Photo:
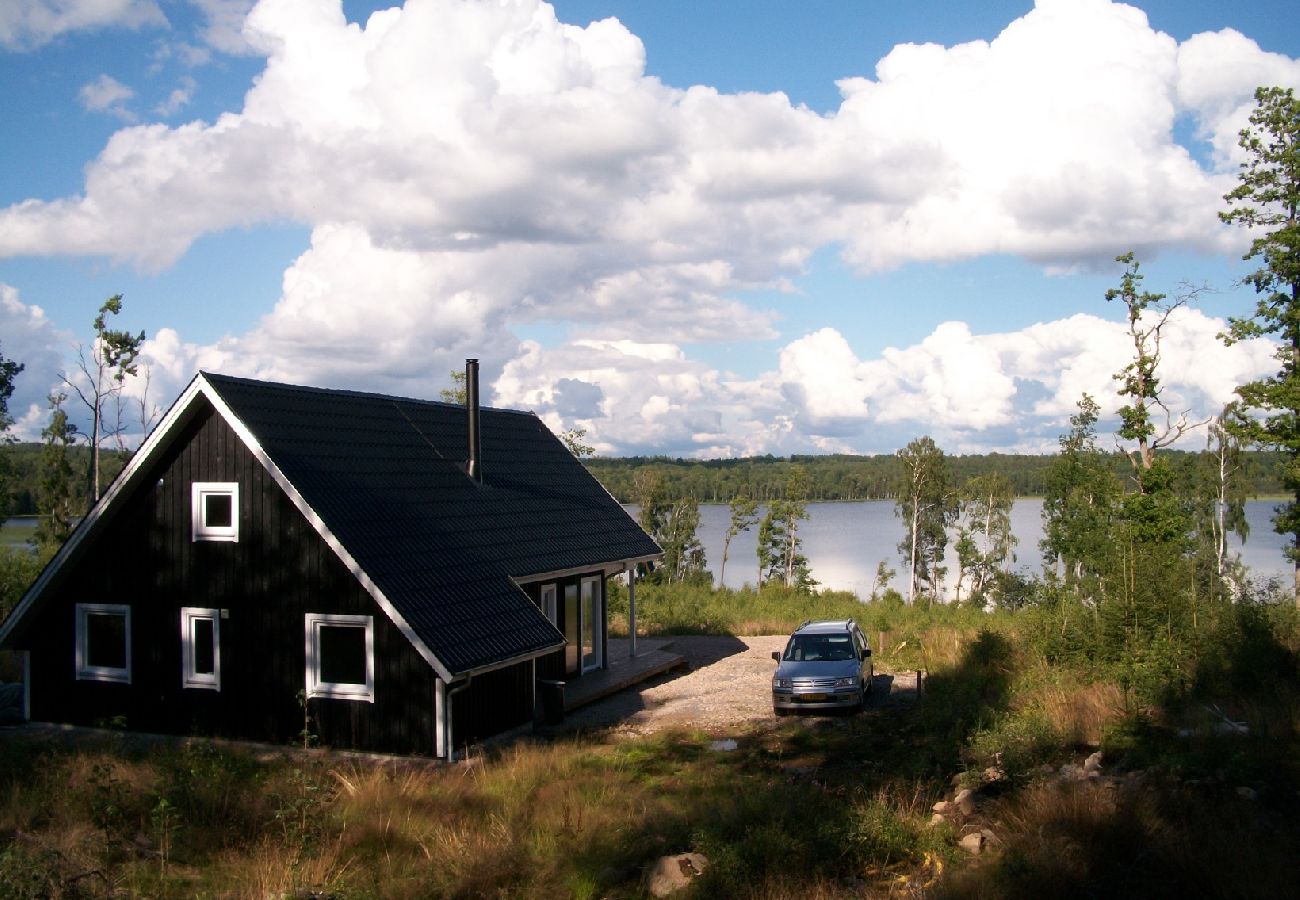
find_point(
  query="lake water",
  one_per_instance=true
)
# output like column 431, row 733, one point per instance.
column 845, row 541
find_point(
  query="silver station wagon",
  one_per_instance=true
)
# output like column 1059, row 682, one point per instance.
column 826, row 665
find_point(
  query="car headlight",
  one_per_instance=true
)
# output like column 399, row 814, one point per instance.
column 782, row 682
column 845, row 682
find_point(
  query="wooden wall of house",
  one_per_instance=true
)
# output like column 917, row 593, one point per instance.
column 494, row 702
column 278, row 571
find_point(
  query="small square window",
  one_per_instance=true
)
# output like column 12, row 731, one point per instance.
column 340, row 656
column 201, row 648
column 214, row 507
column 103, row 642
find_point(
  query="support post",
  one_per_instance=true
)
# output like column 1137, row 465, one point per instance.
column 631, row 607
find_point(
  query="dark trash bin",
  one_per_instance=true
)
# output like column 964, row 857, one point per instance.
column 552, row 701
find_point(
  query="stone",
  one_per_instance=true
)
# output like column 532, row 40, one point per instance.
column 1093, row 763
column 964, row 801
column 994, row 774
column 726, row 745
column 972, row 843
column 937, row 818
column 1246, row 793
column 943, row 807
column 670, row 874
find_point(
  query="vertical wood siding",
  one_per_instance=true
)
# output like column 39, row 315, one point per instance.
column 278, row 571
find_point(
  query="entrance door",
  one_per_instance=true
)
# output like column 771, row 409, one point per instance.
column 593, row 653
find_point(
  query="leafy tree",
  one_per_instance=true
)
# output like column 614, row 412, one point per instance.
column 744, row 513
column 1080, row 504
column 55, row 491
column 927, row 505
column 9, row 371
column 1267, row 202
column 1147, row 315
column 111, row 357
column 573, row 439
column 683, row 553
column 457, row 393
column 780, row 549
column 674, row 525
column 986, row 502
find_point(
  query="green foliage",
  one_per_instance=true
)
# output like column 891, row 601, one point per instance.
column 1267, row 201
column 744, row 513
column 674, row 525
column 55, row 494
column 927, row 505
column 779, row 547
column 9, row 371
column 18, row 569
column 457, row 393
column 112, row 356
column 1080, row 505
column 1147, row 315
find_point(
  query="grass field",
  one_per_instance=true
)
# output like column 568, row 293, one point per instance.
column 808, row 807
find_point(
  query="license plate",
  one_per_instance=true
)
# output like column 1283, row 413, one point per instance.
column 812, row 698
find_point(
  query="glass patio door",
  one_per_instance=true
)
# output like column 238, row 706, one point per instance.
column 593, row 654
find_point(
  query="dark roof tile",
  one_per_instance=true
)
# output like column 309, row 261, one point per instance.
column 386, row 477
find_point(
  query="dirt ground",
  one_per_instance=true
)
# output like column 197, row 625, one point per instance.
column 727, row 682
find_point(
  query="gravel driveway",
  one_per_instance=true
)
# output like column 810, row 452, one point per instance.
column 728, row 682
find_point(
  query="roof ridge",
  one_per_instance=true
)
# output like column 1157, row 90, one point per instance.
column 217, row 378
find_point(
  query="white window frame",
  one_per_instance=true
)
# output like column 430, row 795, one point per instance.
column 316, row 686
column 189, row 677
column 550, row 603
column 201, row 530
column 87, row 672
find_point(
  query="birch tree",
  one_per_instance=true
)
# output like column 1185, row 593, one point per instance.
column 103, row 366
column 744, row 513
column 1145, row 419
column 927, row 506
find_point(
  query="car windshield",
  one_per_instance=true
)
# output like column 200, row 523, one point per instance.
column 809, row 647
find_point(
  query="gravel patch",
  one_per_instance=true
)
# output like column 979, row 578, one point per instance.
column 728, row 683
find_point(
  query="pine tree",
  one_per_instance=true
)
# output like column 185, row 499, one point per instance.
column 1267, row 201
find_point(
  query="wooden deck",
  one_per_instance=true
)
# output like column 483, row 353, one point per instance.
column 654, row 656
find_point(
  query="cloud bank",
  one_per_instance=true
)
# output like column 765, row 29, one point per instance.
column 471, row 171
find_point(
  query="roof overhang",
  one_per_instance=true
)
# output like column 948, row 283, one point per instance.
column 613, row 567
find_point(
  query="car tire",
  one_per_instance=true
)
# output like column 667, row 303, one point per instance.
column 779, row 712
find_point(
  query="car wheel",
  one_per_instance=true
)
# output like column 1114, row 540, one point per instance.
column 779, row 712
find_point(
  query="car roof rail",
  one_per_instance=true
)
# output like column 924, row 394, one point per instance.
column 804, row 624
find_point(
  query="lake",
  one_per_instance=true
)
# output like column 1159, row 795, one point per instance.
column 845, row 541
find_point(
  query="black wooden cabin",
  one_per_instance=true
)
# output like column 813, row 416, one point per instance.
column 273, row 547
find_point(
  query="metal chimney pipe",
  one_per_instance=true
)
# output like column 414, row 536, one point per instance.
column 474, row 464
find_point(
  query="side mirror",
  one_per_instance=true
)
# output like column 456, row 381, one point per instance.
column 866, row 653
column 776, row 655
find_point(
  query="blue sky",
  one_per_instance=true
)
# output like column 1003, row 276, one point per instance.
column 699, row 229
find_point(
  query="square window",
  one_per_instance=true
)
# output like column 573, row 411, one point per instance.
column 340, row 656
column 214, row 508
column 201, row 648
column 103, row 642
